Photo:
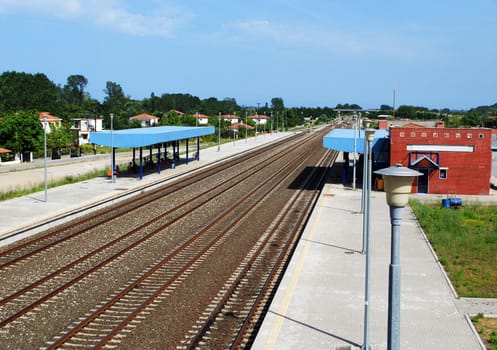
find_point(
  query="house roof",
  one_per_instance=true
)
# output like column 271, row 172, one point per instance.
column 239, row 125
column 201, row 116
column 144, row 116
column 4, row 150
column 258, row 116
column 230, row 116
column 50, row 118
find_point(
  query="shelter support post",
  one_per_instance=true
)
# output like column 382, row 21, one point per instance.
column 197, row 154
column 174, row 155
column 158, row 158
column 141, row 163
column 187, row 151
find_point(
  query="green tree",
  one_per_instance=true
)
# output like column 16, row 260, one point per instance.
column 74, row 90
column 471, row 119
column 24, row 91
column 277, row 103
column 171, row 118
column 21, row 132
column 59, row 137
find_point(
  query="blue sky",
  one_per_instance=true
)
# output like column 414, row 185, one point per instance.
column 435, row 53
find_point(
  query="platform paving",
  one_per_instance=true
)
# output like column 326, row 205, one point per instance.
column 320, row 302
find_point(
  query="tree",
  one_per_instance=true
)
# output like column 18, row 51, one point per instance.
column 74, row 90
column 277, row 103
column 171, row 118
column 59, row 137
column 24, row 91
column 471, row 119
column 21, row 132
column 115, row 102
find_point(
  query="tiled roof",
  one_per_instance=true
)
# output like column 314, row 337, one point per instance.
column 4, row 150
column 258, row 116
column 50, row 118
column 239, row 125
column 144, row 116
column 229, row 116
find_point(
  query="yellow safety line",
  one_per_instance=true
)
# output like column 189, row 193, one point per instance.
column 276, row 329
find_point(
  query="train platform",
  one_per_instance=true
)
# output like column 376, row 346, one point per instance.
column 29, row 214
column 320, row 301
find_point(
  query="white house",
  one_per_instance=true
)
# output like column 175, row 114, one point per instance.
column 202, row 119
column 50, row 120
column 145, row 120
column 259, row 119
column 232, row 118
column 86, row 125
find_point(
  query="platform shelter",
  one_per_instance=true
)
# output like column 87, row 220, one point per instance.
column 351, row 142
column 159, row 137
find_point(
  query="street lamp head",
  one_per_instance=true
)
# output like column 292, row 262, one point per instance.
column 370, row 135
column 366, row 122
column 398, row 181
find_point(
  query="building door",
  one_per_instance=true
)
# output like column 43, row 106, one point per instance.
column 423, row 181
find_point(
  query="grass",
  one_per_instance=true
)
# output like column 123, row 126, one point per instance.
column 40, row 187
column 487, row 328
column 465, row 240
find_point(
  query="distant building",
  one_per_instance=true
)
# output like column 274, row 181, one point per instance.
column 51, row 121
column 145, row 120
column 259, row 119
column 232, row 118
column 202, row 119
column 452, row 161
column 83, row 127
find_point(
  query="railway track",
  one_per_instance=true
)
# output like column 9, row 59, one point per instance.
column 160, row 252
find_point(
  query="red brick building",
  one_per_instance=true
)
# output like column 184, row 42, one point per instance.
column 453, row 161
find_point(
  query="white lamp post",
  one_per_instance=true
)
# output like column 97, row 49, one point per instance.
column 369, row 133
column 398, row 183
column 45, row 155
column 112, row 165
column 219, row 133
column 354, row 120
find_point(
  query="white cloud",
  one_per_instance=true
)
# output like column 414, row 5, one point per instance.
column 160, row 21
column 352, row 41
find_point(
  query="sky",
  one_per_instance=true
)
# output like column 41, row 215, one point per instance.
column 310, row 53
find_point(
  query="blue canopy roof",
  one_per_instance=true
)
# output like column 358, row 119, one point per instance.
column 343, row 139
column 141, row 137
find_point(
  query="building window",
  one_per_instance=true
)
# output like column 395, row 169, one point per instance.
column 435, row 135
column 469, row 136
column 443, row 173
column 458, row 135
column 402, row 134
column 423, row 134
column 413, row 134
column 480, row 136
column 446, row 135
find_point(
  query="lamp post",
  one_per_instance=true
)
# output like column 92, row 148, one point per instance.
column 112, row 165
column 45, row 155
column 369, row 133
column 246, row 126
column 366, row 123
column 398, row 182
column 354, row 120
column 219, row 133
